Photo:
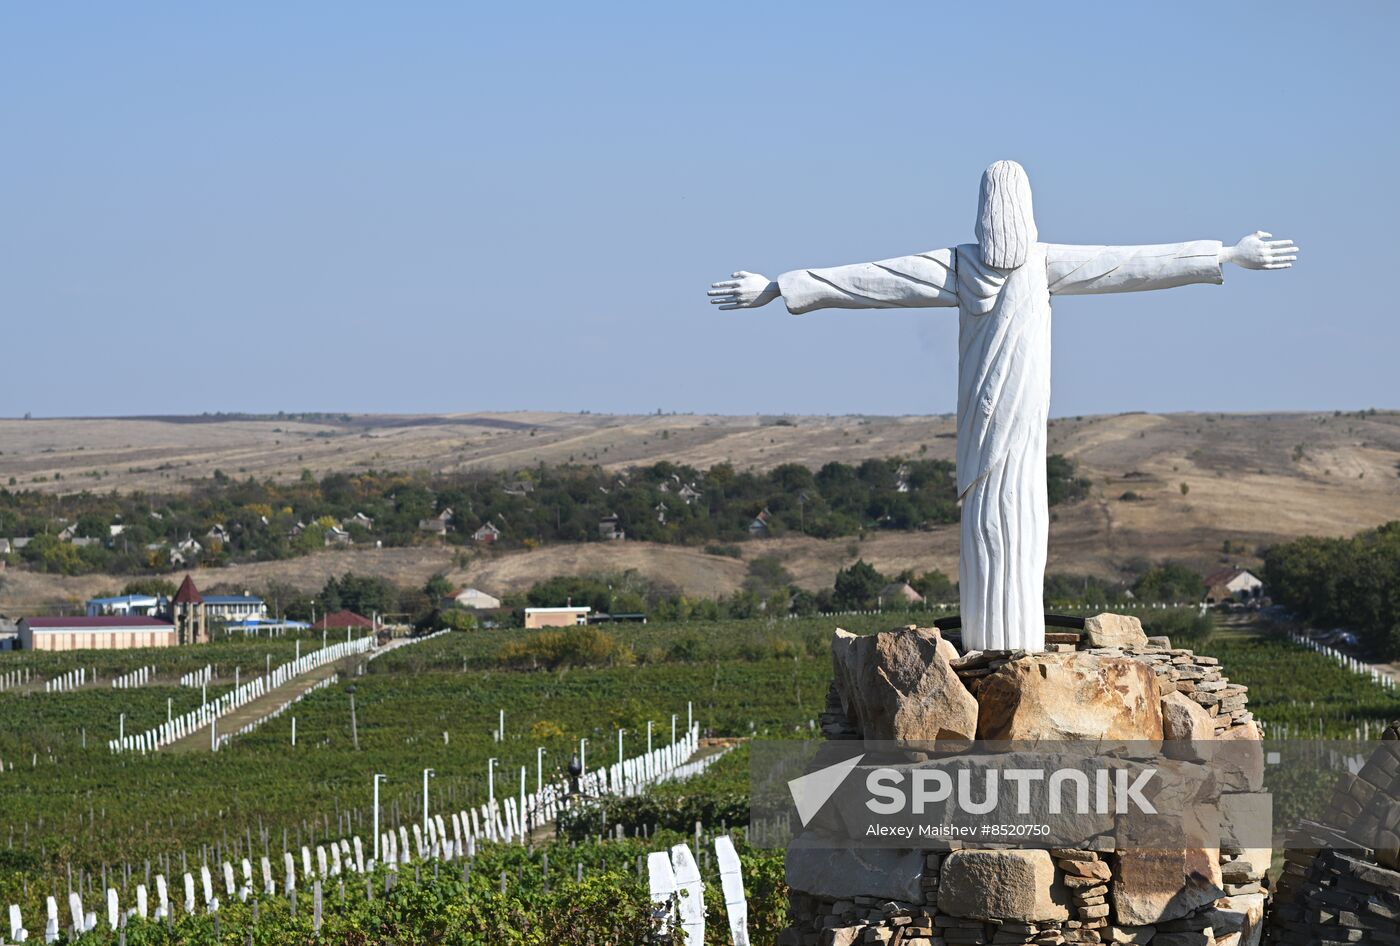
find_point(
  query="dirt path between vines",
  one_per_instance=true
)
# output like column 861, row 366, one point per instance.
column 255, row 709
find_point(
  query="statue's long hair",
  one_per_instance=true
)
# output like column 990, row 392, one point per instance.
column 1005, row 222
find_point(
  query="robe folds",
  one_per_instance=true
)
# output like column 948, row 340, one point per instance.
column 1003, row 394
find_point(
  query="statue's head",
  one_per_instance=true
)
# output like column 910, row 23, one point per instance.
column 1005, row 223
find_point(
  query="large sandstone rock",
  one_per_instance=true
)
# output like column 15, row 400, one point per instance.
column 1004, row 885
column 1238, row 758
column 1156, row 886
column 899, row 685
column 1246, row 825
column 1071, row 697
column 837, row 872
column 1114, row 630
column 1238, row 920
column 1186, row 727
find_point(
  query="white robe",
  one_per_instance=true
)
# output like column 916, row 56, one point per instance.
column 1003, row 394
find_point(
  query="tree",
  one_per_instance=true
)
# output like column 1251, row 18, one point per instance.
column 362, row 594
column 1169, row 582
column 934, row 586
column 437, row 587
column 155, row 587
column 858, row 587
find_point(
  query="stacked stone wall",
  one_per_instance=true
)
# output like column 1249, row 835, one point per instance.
column 989, row 894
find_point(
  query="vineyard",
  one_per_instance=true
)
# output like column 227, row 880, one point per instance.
column 78, row 817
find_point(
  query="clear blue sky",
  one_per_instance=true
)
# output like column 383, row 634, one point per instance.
column 455, row 207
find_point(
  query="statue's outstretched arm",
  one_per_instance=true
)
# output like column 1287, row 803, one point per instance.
column 743, row 290
column 1257, row 251
column 1087, row 270
column 921, row 280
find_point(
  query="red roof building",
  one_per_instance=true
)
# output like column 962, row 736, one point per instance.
column 188, row 593
column 107, row 632
column 340, row 620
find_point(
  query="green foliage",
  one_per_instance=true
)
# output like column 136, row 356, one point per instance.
column 1352, row 583
column 85, row 807
column 150, row 586
column 858, row 587
column 1080, row 590
column 1186, row 627
column 1169, row 583
column 546, row 504
column 364, row 594
column 1063, row 486
column 933, row 585
column 437, row 587
column 583, row 646
column 767, row 575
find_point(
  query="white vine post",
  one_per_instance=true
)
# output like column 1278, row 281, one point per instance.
column 663, row 893
column 427, row 773
column 692, row 904
column 732, row 882
column 377, row 779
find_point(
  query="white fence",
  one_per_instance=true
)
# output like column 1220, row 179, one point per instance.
column 1379, row 677
column 15, row 678
column 208, row 714
column 198, row 678
column 136, row 678
column 71, row 680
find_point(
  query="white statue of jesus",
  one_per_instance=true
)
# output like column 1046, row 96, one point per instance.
column 1002, row 286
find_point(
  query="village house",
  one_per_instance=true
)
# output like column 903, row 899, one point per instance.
column 107, row 632
column 343, row 620
column 569, row 616
column 361, row 520
column 688, row 493
column 234, row 607
column 438, row 524
column 185, row 551
column 899, row 593
column 217, row 533
column 335, row 535
column 610, row 529
column 471, row 598
column 487, row 533
column 1232, row 584
column 144, row 605
column 758, row 526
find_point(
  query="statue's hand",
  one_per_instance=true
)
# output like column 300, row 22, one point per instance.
column 1257, row 251
column 743, row 291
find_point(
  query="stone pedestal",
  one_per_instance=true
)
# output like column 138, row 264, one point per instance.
column 1111, row 684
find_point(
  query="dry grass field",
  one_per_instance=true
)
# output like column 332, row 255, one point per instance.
column 1193, row 482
